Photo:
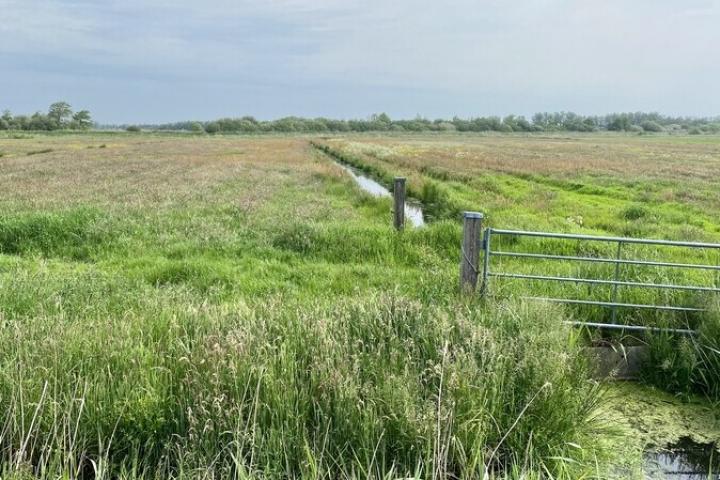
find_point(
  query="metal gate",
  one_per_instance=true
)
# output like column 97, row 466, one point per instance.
column 617, row 281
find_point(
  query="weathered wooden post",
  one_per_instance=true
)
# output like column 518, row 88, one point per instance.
column 470, row 251
column 399, row 194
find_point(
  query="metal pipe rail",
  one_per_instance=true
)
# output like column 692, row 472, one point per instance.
column 607, row 260
column 616, row 282
column 600, row 238
column 594, row 281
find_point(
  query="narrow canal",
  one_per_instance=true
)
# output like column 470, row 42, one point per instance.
column 413, row 211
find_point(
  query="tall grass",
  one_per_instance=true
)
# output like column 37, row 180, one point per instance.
column 74, row 233
column 202, row 312
column 687, row 364
column 277, row 389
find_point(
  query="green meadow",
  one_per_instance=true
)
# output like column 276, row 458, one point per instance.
column 193, row 306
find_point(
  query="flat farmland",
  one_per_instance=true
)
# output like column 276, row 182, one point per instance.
column 194, row 306
column 594, row 183
column 626, row 186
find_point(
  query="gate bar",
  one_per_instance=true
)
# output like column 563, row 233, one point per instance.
column 575, row 236
column 607, row 282
column 610, row 304
column 606, row 260
column 632, row 327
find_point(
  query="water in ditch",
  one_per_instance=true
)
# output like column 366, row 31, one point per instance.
column 413, row 212
column 685, row 460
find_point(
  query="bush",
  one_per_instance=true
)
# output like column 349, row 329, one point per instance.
column 212, row 127
column 133, row 129
column 634, row 212
column 651, row 126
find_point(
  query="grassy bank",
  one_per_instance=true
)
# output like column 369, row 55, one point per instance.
column 277, row 388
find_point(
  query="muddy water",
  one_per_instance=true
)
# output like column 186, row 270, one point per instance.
column 684, row 461
column 413, row 212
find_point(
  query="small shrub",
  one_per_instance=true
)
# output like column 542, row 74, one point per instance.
column 133, row 129
column 634, row 212
column 212, row 128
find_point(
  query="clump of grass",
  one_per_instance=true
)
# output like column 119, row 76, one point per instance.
column 634, row 212
column 707, row 377
column 202, row 274
column 436, row 200
column 279, row 389
column 687, row 364
column 38, row 152
column 73, row 233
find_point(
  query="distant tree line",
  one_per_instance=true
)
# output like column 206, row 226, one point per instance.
column 60, row 116
column 540, row 122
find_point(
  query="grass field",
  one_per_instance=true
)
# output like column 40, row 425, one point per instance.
column 653, row 187
column 212, row 307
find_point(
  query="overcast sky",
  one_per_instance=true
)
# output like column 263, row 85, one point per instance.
column 133, row 61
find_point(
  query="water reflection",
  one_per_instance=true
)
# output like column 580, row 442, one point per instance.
column 685, row 460
column 413, row 212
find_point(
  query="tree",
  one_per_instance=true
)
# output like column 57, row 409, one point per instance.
column 7, row 120
column 196, row 127
column 212, row 127
column 82, row 120
column 651, row 126
column 380, row 122
column 619, row 122
column 60, row 113
column 40, row 122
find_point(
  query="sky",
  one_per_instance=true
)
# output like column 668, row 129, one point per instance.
column 135, row 61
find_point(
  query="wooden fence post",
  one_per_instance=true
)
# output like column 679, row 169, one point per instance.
column 470, row 251
column 399, row 194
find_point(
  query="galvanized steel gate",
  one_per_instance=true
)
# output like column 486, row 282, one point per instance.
column 488, row 271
